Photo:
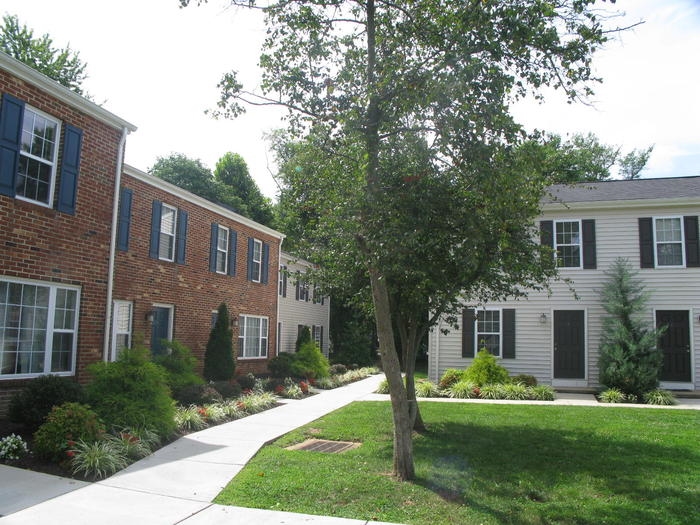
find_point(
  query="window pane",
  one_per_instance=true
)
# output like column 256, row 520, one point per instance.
column 669, row 254
column 668, row 230
column 62, row 352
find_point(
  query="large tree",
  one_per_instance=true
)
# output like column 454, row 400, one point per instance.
column 62, row 65
column 410, row 100
column 232, row 171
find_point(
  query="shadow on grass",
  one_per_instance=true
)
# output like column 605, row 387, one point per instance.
column 522, row 474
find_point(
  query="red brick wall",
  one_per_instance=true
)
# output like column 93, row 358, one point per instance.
column 46, row 245
column 193, row 290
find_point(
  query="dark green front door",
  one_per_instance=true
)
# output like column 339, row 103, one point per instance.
column 569, row 344
column 675, row 344
column 160, row 329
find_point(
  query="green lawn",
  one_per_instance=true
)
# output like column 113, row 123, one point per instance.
column 490, row 464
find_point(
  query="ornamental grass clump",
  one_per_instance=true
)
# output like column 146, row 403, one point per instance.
column 190, row 419
column 613, row 395
column 659, row 397
column 425, row 388
column 97, row 459
column 542, row 393
column 129, row 444
column 514, row 391
column 463, row 390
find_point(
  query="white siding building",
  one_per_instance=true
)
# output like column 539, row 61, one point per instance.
column 653, row 223
column 300, row 306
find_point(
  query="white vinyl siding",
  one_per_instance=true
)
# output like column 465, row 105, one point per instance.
column 38, row 328
column 36, row 175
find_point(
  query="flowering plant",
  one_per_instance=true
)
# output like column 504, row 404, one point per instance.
column 12, row 447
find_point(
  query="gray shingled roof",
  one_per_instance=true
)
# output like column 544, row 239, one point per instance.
column 624, row 190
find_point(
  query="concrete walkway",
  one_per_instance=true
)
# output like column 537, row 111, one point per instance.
column 176, row 484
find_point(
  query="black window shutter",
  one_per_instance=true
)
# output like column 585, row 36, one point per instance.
column 181, row 237
column 70, row 168
column 11, row 115
column 508, row 333
column 692, row 247
column 265, row 263
column 646, row 242
column 589, row 248
column 547, row 233
column 251, row 247
column 213, row 245
column 298, row 287
column 232, row 250
column 124, row 220
column 321, row 337
column 468, row 332
column 157, row 208
column 284, row 281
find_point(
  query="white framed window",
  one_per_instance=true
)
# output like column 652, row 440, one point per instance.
column 668, row 241
column 168, row 226
column 38, row 328
column 316, row 332
column 256, row 261
column 36, row 175
column 222, row 250
column 282, row 282
column 122, row 314
column 252, row 338
column 489, row 331
column 567, row 243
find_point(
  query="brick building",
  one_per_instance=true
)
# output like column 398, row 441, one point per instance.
column 95, row 255
column 59, row 156
column 179, row 257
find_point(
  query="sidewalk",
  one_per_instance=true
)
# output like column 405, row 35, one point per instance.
column 176, row 484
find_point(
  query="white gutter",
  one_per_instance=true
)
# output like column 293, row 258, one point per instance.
column 113, row 245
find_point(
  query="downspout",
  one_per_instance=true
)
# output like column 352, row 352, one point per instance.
column 278, row 339
column 113, row 245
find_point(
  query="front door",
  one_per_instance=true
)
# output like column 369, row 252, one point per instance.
column 675, row 344
column 569, row 344
column 160, row 329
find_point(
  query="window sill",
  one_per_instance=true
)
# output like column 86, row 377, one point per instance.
column 251, row 358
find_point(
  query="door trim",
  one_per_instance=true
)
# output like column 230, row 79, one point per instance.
column 681, row 385
column 564, row 382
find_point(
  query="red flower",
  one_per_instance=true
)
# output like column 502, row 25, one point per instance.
column 70, row 453
column 304, row 387
column 279, row 389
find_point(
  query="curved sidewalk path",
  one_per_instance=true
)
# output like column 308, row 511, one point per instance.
column 176, row 484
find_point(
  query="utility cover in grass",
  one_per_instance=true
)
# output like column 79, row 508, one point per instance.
column 322, row 445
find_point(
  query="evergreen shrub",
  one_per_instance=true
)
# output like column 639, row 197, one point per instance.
column 219, row 363
column 180, row 366
column 485, row 370
column 31, row 405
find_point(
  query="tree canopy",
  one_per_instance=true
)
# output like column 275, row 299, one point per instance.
column 62, row 65
column 404, row 156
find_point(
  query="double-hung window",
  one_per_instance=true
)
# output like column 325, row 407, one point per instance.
column 222, row 250
column 256, row 261
column 37, row 157
column 567, row 243
column 252, row 339
column 38, row 328
column 168, row 226
column 668, row 240
column 488, row 331
column 121, row 328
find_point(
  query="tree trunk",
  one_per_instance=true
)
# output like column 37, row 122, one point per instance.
column 411, row 347
column 401, row 407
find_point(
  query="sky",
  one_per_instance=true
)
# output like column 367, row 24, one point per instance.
column 157, row 66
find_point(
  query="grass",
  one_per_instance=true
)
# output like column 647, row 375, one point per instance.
column 489, row 464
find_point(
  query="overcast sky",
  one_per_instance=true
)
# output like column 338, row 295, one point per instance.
column 157, row 66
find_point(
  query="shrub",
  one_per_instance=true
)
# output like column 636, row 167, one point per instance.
column 97, row 459
column 426, row 388
column 659, row 397
column 31, row 405
column 303, row 338
column 190, row 419
column 542, row 393
column 132, row 392
column 281, row 365
column 463, row 390
column 338, row 369
column 12, row 447
column 613, row 395
column 310, row 362
column 219, row 364
column 485, row 370
column 450, row 377
column 247, row 381
column 180, row 366
column 227, row 389
column 524, row 379
column 629, row 358
column 64, row 426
